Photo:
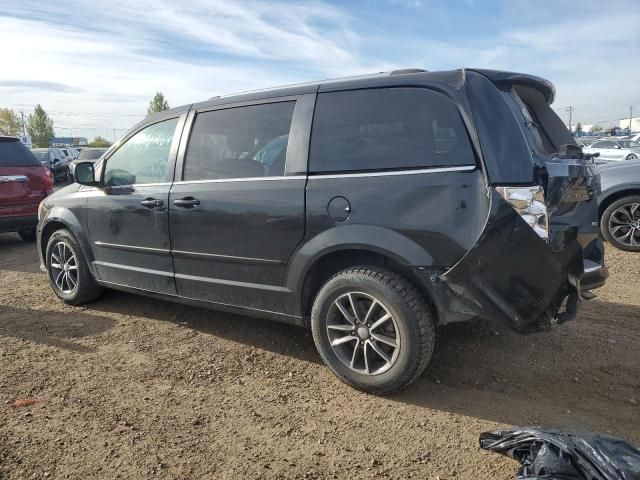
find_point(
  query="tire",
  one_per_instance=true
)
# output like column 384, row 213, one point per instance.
column 632, row 156
column 410, row 326
column 614, row 216
column 78, row 289
column 28, row 235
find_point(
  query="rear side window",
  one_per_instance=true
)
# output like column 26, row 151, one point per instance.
column 14, row 154
column 387, row 129
column 239, row 142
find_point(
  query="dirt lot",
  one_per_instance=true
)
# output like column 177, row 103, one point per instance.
column 136, row 388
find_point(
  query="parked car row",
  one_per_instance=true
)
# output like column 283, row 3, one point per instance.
column 613, row 149
column 56, row 160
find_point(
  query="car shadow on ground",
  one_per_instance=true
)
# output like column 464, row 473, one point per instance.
column 53, row 328
column 566, row 377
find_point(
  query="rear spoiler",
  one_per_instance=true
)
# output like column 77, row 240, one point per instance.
column 509, row 78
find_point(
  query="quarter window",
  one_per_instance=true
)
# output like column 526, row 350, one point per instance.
column 239, row 142
column 142, row 158
column 392, row 128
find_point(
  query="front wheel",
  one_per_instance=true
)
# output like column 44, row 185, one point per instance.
column 632, row 156
column 373, row 329
column 68, row 271
column 620, row 223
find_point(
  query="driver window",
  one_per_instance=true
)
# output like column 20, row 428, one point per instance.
column 143, row 158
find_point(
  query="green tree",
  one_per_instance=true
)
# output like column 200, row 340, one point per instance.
column 9, row 123
column 40, row 127
column 596, row 128
column 578, row 127
column 100, row 142
column 158, row 104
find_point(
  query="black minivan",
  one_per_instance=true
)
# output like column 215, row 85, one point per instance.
column 370, row 209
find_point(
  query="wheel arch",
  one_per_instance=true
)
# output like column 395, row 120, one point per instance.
column 342, row 247
column 612, row 196
column 57, row 219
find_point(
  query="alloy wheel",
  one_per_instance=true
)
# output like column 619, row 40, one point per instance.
column 64, row 268
column 624, row 224
column 363, row 334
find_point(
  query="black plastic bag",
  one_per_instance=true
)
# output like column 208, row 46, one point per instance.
column 558, row 455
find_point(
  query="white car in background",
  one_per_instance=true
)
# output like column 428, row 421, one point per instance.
column 614, row 149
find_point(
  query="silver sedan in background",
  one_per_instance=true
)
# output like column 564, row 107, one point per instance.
column 614, row 149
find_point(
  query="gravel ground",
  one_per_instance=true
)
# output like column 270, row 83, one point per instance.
column 130, row 387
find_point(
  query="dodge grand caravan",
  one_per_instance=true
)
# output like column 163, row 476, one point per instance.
column 369, row 209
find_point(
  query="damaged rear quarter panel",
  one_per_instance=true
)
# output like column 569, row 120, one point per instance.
column 510, row 274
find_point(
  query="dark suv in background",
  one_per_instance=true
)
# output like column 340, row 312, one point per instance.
column 55, row 160
column 369, row 209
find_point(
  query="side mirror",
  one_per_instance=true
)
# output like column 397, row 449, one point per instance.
column 55, row 160
column 84, row 174
column 618, row 147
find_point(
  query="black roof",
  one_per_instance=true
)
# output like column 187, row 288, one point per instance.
column 448, row 81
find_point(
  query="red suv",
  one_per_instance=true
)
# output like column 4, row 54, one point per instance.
column 24, row 183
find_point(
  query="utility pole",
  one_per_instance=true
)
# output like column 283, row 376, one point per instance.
column 24, row 133
column 630, row 116
column 570, row 109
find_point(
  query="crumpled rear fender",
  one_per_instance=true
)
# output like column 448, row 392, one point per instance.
column 510, row 274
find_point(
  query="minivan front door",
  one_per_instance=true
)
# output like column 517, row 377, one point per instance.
column 236, row 216
column 127, row 217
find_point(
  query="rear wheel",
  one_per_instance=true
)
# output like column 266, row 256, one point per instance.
column 28, row 235
column 373, row 329
column 620, row 223
column 68, row 271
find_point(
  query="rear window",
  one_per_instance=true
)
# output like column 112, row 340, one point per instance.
column 14, row 154
column 605, row 144
column 387, row 129
column 90, row 154
column 550, row 132
column 42, row 155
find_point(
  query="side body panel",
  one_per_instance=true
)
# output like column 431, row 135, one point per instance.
column 426, row 219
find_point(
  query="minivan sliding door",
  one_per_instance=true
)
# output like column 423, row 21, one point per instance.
column 236, row 215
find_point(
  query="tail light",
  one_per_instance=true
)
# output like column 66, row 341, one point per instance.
column 48, row 181
column 529, row 203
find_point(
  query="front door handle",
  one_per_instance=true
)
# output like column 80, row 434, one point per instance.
column 187, row 202
column 151, row 202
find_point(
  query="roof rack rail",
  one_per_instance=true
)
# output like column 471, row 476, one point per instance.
column 404, row 71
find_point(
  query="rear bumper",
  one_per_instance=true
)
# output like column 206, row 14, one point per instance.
column 16, row 223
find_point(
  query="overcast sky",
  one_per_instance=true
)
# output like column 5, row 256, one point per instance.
column 94, row 66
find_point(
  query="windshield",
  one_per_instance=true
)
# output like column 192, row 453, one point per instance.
column 629, row 144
